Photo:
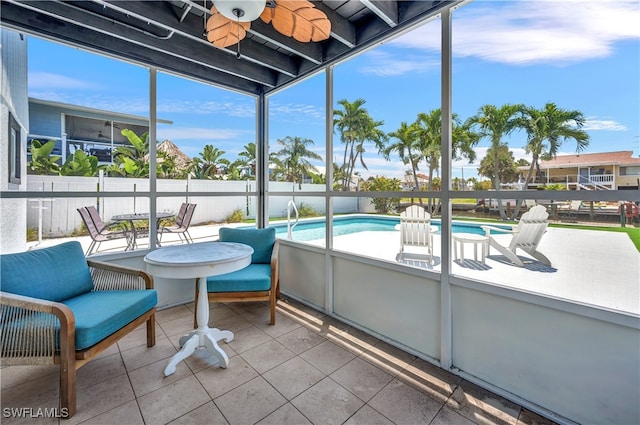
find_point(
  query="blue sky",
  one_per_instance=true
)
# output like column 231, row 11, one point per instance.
column 582, row 55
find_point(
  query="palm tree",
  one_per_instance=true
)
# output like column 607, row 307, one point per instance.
column 248, row 156
column 494, row 123
column 553, row 126
column 428, row 130
column 206, row 167
column 408, row 148
column 356, row 126
column 293, row 158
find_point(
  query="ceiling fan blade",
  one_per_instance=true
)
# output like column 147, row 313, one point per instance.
column 298, row 19
column 223, row 32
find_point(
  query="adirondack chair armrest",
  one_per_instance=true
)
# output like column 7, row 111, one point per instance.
column 488, row 229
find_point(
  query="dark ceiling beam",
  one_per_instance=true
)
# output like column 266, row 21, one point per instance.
column 19, row 18
column 385, row 10
column 308, row 51
column 341, row 29
column 192, row 26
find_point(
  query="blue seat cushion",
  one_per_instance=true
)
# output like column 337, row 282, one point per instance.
column 261, row 240
column 98, row 314
column 54, row 273
column 254, row 277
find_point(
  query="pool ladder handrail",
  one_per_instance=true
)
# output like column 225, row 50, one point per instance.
column 289, row 226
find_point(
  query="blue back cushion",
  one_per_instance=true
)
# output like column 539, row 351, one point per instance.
column 261, row 240
column 55, row 273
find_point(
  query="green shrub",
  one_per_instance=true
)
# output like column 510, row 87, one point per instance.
column 235, row 217
column 305, row 210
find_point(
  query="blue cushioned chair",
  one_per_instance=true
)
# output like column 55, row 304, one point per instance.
column 57, row 307
column 257, row 282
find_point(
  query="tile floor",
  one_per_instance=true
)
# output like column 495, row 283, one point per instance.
column 307, row 369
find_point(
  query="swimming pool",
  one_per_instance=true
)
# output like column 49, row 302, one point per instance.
column 314, row 228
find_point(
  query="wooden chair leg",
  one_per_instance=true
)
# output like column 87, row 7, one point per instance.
column 272, row 307
column 67, row 375
column 151, row 331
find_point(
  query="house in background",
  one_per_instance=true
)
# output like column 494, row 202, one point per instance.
column 589, row 171
column 96, row 132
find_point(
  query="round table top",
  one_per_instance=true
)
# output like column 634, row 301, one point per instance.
column 141, row 216
column 198, row 259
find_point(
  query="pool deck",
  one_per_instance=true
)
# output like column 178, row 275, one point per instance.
column 590, row 267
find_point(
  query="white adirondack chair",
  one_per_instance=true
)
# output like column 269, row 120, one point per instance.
column 526, row 236
column 416, row 230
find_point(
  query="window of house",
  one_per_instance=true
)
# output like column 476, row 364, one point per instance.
column 633, row 170
column 14, row 151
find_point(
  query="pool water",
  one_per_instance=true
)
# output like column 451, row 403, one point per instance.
column 314, row 229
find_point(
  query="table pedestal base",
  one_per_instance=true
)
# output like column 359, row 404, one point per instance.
column 207, row 338
column 204, row 336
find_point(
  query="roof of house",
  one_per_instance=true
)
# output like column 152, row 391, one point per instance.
column 592, row 159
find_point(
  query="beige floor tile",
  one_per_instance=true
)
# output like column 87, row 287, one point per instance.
column 151, row 377
column 327, row 357
column 327, row 403
column 388, row 358
column 367, row 415
column 102, row 397
column 293, row 377
column 137, row 357
column 172, row 401
column 447, row 416
column 248, row 338
column 250, row 402
column 178, row 326
column 286, row 415
column 301, row 339
column 99, row 370
column 17, row 375
column 202, row 358
column 207, row 414
column 482, row 406
column 41, row 392
column 128, row 413
column 527, row 417
column 284, row 325
column 218, row 381
column 173, row 313
column 352, row 340
column 430, row 379
column 361, row 378
column 219, row 312
column 403, row 404
column 267, row 356
column 235, row 323
column 137, row 338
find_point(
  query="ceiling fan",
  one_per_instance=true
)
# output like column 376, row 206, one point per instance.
column 231, row 19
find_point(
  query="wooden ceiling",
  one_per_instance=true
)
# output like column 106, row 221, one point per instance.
column 170, row 35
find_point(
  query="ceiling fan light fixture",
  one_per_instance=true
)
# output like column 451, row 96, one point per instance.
column 240, row 10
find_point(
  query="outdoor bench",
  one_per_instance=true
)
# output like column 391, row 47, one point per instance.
column 57, row 307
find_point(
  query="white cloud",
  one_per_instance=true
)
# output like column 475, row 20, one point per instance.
column 50, row 82
column 383, row 64
column 203, row 135
column 243, row 110
column 594, row 124
column 297, row 111
column 546, row 31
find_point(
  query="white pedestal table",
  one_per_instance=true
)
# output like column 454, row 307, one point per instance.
column 199, row 260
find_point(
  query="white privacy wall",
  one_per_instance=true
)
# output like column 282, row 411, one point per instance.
column 574, row 363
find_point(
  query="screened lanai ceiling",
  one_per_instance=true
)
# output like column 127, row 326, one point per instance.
column 170, row 35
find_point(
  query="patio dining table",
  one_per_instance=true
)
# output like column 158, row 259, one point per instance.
column 131, row 218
